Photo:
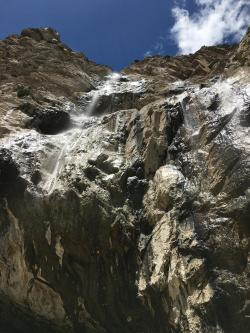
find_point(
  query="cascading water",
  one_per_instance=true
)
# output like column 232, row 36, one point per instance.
column 104, row 89
column 72, row 137
column 82, row 123
column 44, row 160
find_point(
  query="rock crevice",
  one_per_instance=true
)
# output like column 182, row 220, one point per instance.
column 124, row 198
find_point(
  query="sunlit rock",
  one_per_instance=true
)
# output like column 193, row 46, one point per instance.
column 124, row 197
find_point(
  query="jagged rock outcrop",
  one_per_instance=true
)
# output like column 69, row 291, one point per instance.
column 38, row 71
column 124, row 199
column 241, row 56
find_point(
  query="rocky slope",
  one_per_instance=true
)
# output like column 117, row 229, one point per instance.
column 124, row 198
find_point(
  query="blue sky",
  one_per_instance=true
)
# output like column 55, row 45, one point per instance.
column 113, row 32
column 116, row 32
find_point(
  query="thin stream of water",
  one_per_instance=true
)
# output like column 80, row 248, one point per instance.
column 72, row 137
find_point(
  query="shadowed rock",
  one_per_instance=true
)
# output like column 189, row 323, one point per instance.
column 134, row 217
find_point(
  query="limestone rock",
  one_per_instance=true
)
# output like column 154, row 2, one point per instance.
column 124, row 198
column 165, row 190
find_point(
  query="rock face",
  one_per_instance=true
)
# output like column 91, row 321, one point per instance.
column 124, row 198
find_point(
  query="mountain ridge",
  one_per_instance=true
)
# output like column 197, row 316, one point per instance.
column 124, row 197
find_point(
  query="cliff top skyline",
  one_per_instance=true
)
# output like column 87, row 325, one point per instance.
column 115, row 32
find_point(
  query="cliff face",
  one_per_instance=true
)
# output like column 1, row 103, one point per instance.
column 125, row 198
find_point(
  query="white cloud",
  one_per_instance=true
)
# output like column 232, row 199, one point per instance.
column 158, row 48
column 215, row 22
column 147, row 54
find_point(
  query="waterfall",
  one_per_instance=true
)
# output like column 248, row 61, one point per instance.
column 105, row 89
column 69, row 140
column 190, row 124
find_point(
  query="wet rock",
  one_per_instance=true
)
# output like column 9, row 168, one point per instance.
column 36, row 177
column 103, row 163
column 214, row 104
column 48, row 121
column 9, row 174
column 245, row 116
column 176, row 90
column 118, row 92
column 136, row 189
column 132, row 220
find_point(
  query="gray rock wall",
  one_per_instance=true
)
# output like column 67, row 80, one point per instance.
column 133, row 217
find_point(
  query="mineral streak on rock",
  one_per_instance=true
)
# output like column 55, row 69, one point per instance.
column 124, row 198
